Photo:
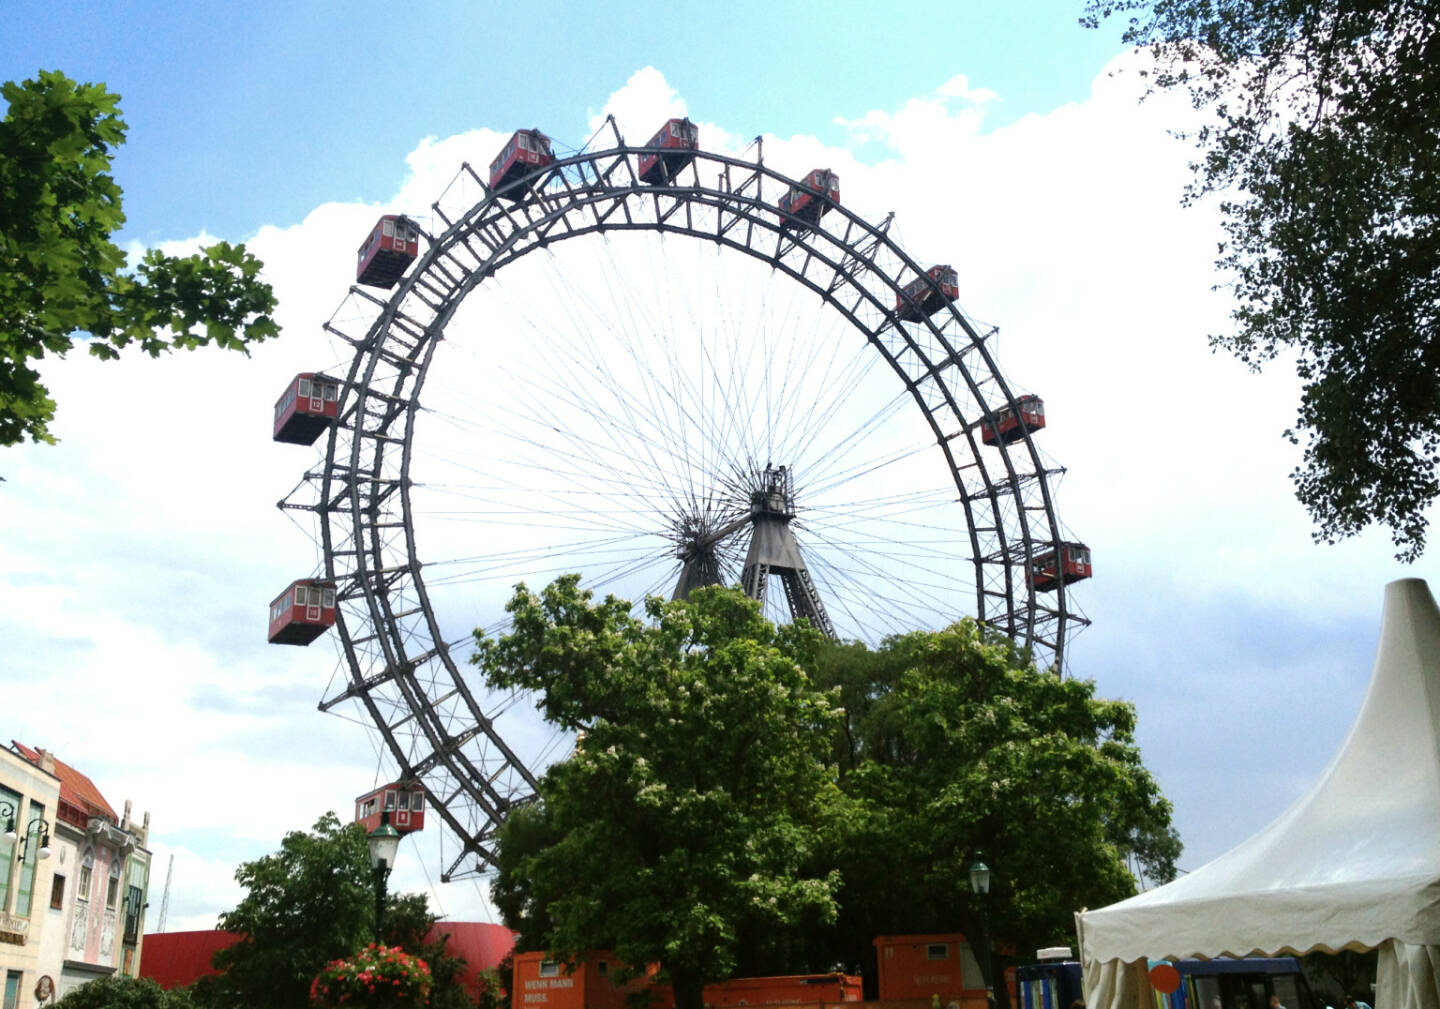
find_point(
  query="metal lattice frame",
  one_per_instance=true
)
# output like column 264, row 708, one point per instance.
column 401, row 670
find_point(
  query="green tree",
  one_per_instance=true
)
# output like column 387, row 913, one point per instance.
column 122, row 992
column 687, row 815
column 956, row 749
column 305, row 905
column 312, row 902
column 495, row 984
column 1324, row 131
column 409, row 923
column 63, row 279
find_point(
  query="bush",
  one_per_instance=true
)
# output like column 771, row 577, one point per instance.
column 122, row 992
column 377, row 976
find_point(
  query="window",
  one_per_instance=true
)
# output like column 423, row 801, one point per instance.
column 304, row 388
column 417, row 802
column 57, row 891
column 937, row 951
column 329, row 599
column 405, row 801
column 7, row 851
column 112, row 890
column 30, row 849
column 134, row 907
column 602, row 968
column 389, row 229
column 390, row 801
column 87, row 864
column 549, row 968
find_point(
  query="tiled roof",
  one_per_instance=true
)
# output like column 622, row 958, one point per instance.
column 75, row 788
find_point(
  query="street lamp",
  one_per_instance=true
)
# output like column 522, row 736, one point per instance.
column 980, row 886
column 7, row 811
column 384, row 842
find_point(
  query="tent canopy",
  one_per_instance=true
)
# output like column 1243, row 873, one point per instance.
column 1354, row 863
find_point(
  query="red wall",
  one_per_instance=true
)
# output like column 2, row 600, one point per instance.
column 591, row 985
column 907, row 970
column 175, row 959
column 799, row 989
column 588, row 985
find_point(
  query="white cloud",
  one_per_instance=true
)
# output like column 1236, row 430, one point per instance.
column 641, row 106
column 915, row 127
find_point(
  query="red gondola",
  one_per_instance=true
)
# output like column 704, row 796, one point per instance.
column 403, row 800
column 918, row 299
column 388, row 251
column 811, row 198
column 302, row 612
column 678, row 141
column 1010, row 425
column 1074, row 565
column 526, row 151
column 306, row 409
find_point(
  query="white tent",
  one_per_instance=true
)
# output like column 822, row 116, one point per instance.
column 1354, row 864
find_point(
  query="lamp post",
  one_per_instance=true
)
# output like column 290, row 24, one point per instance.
column 384, row 842
column 980, row 886
column 7, row 812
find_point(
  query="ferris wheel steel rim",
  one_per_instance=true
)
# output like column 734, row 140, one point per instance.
column 386, row 622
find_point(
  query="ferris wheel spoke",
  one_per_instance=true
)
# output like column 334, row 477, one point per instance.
column 530, row 565
column 854, row 564
column 637, row 403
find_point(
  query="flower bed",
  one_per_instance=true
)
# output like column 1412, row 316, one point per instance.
column 378, row 976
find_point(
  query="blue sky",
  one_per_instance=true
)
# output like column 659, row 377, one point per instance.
column 152, row 546
column 226, row 100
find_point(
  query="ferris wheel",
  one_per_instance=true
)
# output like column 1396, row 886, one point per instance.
column 662, row 368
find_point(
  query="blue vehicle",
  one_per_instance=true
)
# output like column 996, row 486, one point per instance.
column 1222, row 983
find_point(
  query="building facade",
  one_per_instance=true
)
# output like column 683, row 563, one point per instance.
column 28, row 798
column 78, row 875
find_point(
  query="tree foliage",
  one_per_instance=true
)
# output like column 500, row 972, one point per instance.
column 307, row 904
column 956, row 749
column 311, row 903
column 688, row 814
column 1325, row 134
column 62, row 278
column 722, row 814
column 409, row 923
column 120, row 991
